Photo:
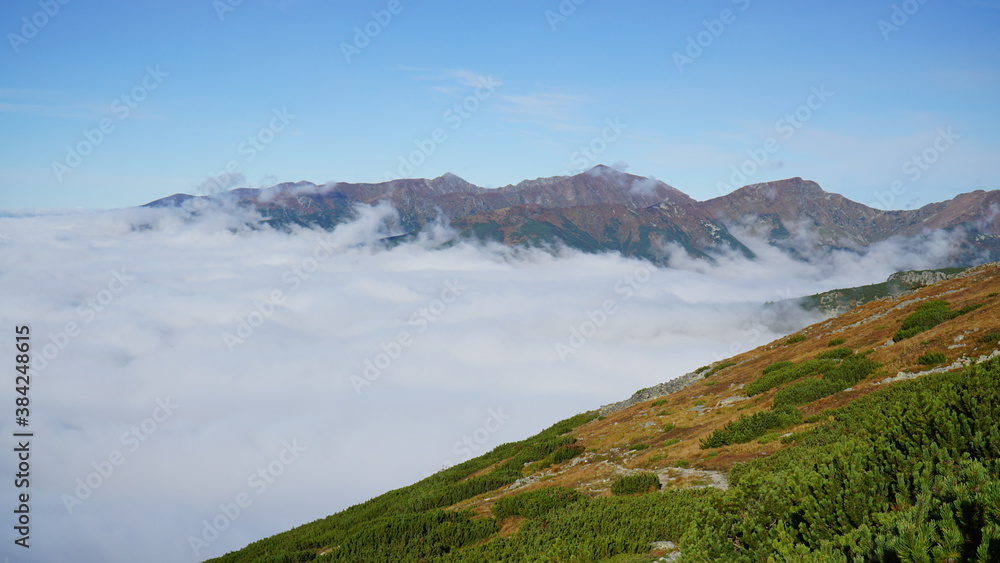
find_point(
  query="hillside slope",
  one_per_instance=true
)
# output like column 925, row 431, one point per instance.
column 868, row 436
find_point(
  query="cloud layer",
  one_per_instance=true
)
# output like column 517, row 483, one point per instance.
column 200, row 384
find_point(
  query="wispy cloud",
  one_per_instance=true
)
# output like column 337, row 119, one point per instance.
column 557, row 111
column 451, row 82
column 43, row 103
column 47, row 103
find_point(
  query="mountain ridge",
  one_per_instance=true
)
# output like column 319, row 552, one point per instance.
column 604, row 209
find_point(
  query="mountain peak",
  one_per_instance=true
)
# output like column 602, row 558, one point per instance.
column 448, row 183
column 603, row 169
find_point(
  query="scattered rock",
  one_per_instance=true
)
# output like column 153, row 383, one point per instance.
column 730, row 400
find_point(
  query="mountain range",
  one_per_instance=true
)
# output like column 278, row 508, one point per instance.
column 604, row 209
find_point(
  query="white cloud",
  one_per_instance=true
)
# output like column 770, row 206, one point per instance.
column 493, row 345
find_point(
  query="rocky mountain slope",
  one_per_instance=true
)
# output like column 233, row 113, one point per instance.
column 607, row 210
column 869, row 436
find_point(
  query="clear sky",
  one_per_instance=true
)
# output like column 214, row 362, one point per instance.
column 288, row 90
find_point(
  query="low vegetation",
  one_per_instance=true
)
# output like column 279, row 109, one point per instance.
column 927, row 316
column 907, row 473
column 932, row 358
column 748, row 428
column 834, row 380
column 535, row 504
column 835, row 354
column 638, row 483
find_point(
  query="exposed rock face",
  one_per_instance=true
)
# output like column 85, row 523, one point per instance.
column 919, row 278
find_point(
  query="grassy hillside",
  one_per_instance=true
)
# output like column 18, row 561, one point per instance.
column 869, row 437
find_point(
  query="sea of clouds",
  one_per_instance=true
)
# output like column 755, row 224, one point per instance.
column 202, row 380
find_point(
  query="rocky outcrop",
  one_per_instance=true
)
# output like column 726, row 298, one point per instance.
column 917, row 278
column 659, row 390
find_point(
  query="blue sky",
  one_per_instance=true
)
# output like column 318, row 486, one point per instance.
column 265, row 88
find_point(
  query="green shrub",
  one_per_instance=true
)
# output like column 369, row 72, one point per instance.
column 776, row 366
column 767, row 438
column 994, row 294
column 990, row 338
column 535, row 504
column 638, row 447
column 566, row 453
column 932, row 358
column 638, row 483
column 792, row 438
column 750, row 427
column 907, row 473
column 834, row 354
column 795, row 338
column 815, row 418
column 785, row 373
column 845, row 374
column 659, row 402
column 670, row 442
column 928, row 316
column 805, row 392
column 668, row 427
column 968, row 309
column 835, row 342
